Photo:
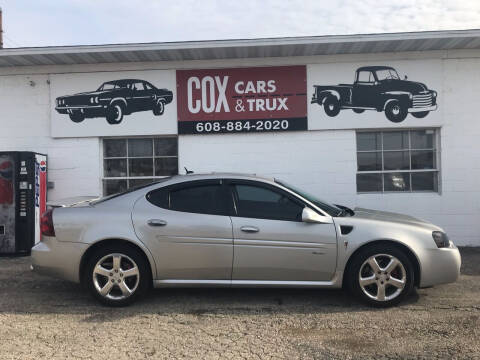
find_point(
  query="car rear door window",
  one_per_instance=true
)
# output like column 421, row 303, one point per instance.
column 203, row 199
column 198, row 198
column 264, row 203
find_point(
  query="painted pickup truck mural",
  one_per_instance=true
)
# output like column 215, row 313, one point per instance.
column 378, row 88
column 113, row 100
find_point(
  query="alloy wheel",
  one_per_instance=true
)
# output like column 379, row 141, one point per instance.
column 116, row 276
column 382, row 277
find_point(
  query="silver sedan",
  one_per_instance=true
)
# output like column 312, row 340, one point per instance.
column 239, row 230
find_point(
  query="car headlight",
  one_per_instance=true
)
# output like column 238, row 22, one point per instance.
column 96, row 99
column 410, row 96
column 441, row 239
column 92, row 100
column 434, row 93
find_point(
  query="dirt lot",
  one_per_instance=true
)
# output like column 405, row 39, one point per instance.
column 47, row 318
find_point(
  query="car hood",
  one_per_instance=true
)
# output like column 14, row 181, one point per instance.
column 406, row 85
column 87, row 93
column 369, row 214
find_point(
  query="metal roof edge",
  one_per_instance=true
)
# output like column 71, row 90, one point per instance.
column 228, row 43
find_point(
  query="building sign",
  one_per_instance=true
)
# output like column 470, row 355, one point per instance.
column 260, row 99
column 375, row 94
column 113, row 103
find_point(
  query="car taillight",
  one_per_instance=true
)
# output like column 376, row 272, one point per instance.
column 46, row 223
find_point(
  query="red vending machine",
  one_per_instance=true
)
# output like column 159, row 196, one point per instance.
column 23, row 198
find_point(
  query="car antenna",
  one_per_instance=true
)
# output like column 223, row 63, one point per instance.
column 188, row 171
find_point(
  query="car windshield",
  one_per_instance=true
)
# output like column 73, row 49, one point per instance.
column 111, row 86
column 330, row 209
column 108, row 86
column 387, row 74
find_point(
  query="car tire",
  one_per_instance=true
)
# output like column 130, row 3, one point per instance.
column 395, row 111
column 384, row 286
column 331, row 105
column 115, row 113
column 421, row 114
column 77, row 116
column 117, row 275
column 358, row 111
column 159, row 107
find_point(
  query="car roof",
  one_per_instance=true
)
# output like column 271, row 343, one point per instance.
column 124, row 81
column 219, row 175
column 374, row 68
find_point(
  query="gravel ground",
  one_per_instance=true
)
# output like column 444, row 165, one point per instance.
column 47, row 318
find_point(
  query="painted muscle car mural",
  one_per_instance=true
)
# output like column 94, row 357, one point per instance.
column 114, row 99
column 378, row 88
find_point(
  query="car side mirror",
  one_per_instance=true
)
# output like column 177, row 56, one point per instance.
column 406, row 77
column 311, row 216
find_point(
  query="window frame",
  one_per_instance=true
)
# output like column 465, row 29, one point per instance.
column 436, row 149
column 127, row 157
column 230, row 183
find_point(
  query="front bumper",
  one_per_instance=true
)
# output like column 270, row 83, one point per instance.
column 78, row 107
column 440, row 266
column 422, row 109
column 59, row 259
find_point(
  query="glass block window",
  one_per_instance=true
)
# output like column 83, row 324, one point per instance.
column 132, row 162
column 397, row 161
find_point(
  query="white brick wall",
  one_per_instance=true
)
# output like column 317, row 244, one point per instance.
column 73, row 164
column 324, row 162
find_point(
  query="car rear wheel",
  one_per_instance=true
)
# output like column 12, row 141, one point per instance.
column 115, row 114
column 77, row 116
column 381, row 276
column 395, row 111
column 331, row 105
column 159, row 107
column 117, row 275
column 420, row 114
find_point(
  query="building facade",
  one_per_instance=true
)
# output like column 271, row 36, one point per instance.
column 378, row 121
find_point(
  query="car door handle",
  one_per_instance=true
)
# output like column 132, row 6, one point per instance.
column 156, row 222
column 249, row 229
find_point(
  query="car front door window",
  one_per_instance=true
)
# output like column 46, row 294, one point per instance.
column 259, row 202
column 365, row 77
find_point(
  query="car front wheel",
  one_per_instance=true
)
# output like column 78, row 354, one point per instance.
column 77, row 116
column 395, row 111
column 117, row 276
column 381, row 276
column 114, row 114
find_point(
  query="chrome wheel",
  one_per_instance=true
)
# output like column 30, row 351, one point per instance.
column 382, row 277
column 396, row 110
column 116, row 276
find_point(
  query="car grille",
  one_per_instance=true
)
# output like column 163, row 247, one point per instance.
column 424, row 100
column 77, row 100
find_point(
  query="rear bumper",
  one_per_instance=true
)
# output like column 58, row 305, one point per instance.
column 58, row 258
column 440, row 266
